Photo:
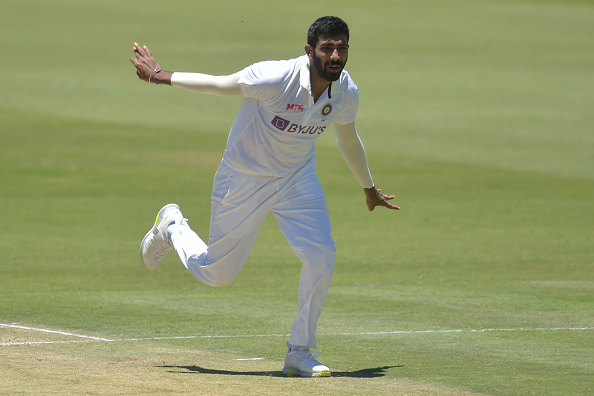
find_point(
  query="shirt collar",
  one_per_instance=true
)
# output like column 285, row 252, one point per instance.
column 304, row 74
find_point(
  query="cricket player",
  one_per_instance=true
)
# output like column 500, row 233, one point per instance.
column 269, row 166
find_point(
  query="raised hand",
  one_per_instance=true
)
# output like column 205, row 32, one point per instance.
column 146, row 65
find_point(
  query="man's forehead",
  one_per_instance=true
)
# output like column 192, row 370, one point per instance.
column 341, row 39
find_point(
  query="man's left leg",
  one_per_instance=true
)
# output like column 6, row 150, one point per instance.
column 303, row 218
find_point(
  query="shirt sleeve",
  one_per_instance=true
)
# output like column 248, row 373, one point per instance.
column 263, row 80
column 350, row 103
column 205, row 83
column 352, row 150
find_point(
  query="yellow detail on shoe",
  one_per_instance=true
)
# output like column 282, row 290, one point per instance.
column 157, row 219
column 291, row 373
column 324, row 373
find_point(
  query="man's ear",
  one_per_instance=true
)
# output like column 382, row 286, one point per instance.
column 308, row 50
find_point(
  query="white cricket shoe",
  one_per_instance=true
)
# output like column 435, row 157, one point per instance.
column 300, row 361
column 156, row 243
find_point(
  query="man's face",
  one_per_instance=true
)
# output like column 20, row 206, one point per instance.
column 330, row 56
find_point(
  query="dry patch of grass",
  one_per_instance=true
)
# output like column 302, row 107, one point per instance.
column 152, row 367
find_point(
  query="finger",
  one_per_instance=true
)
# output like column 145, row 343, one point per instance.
column 383, row 201
column 136, row 64
column 390, row 206
column 379, row 190
column 139, row 52
column 148, row 51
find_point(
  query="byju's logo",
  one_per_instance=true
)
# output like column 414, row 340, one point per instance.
column 283, row 125
column 280, row 123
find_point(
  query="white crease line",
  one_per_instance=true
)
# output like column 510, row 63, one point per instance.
column 468, row 331
column 397, row 332
column 43, row 342
column 15, row 326
column 203, row 336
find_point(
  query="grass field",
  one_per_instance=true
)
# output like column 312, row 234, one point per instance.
column 476, row 114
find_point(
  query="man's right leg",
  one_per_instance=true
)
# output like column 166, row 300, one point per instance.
column 216, row 264
column 240, row 204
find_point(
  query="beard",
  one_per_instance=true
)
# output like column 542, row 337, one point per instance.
column 324, row 72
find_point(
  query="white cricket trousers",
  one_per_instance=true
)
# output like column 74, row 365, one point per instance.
column 240, row 203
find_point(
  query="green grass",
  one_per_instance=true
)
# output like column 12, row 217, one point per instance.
column 476, row 114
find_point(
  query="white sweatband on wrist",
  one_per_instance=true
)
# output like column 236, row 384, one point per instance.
column 352, row 150
column 208, row 84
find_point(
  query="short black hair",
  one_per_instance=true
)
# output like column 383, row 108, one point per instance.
column 328, row 26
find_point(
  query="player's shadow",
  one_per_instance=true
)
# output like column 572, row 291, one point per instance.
column 364, row 373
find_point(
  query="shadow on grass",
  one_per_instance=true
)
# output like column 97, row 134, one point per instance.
column 365, row 373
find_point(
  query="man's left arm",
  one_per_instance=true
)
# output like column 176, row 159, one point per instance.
column 352, row 150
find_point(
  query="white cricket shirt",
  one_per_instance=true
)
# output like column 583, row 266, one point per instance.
column 278, row 122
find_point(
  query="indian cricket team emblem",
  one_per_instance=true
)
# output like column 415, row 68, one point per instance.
column 326, row 110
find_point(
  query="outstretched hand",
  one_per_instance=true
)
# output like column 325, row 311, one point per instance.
column 144, row 62
column 374, row 197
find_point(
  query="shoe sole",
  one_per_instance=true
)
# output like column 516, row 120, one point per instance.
column 297, row 373
column 142, row 244
column 152, row 230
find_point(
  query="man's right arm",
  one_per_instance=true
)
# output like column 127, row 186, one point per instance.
column 208, row 84
column 149, row 70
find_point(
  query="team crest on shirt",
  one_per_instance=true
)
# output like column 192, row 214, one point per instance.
column 326, row 110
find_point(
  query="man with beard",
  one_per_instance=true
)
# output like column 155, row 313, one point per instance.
column 269, row 166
